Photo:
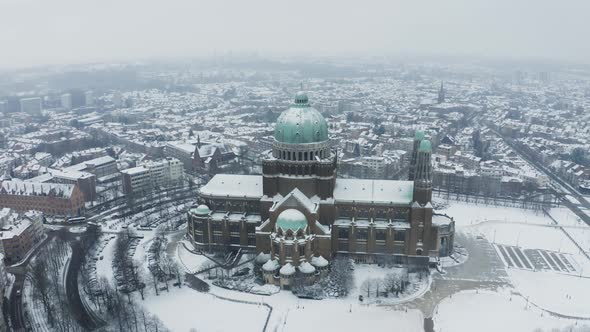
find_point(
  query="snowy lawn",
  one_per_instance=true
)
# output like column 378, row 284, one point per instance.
column 293, row 314
column 491, row 312
column 556, row 292
column 466, row 214
column 575, row 227
column 338, row 315
column 524, row 236
column 185, row 309
column 189, row 261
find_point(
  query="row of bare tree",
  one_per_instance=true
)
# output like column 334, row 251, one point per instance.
column 45, row 275
column 121, row 312
column 393, row 283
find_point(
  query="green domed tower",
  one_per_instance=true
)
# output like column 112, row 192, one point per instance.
column 302, row 155
column 301, row 123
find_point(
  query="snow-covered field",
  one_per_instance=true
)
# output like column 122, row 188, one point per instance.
column 337, row 315
column 189, row 261
column 559, row 293
column 466, row 214
column 185, row 309
column 484, row 311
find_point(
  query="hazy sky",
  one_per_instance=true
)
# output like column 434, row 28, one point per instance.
column 73, row 31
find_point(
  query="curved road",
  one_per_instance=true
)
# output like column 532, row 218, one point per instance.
column 15, row 304
column 86, row 319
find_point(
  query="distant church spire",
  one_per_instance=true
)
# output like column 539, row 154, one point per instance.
column 441, row 93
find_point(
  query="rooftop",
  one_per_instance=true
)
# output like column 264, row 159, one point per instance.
column 232, row 185
column 374, row 191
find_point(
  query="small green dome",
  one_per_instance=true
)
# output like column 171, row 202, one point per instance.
column 202, row 210
column 291, row 219
column 419, row 135
column 425, row 146
column 301, row 123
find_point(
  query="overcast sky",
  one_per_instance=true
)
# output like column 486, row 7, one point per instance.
column 36, row 32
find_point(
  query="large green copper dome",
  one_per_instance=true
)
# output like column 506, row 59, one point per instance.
column 301, row 123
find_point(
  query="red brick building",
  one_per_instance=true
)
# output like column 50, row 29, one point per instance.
column 49, row 198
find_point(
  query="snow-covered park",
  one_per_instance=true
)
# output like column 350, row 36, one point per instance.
column 485, row 311
column 546, row 283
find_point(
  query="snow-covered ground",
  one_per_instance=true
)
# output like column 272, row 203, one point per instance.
column 189, row 261
column 484, row 311
column 104, row 266
column 337, row 315
column 565, row 293
column 185, row 309
column 574, row 226
column 466, row 214
column 367, row 272
column 559, row 293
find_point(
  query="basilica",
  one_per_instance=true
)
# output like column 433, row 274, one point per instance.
column 298, row 215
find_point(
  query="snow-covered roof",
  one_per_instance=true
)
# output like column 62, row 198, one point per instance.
column 319, row 261
column 37, row 189
column 15, row 229
column 287, row 269
column 231, row 185
column 306, row 268
column 135, row 170
column 96, row 162
column 271, row 265
column 441, row 220
column 374, row 191
column 262, row 258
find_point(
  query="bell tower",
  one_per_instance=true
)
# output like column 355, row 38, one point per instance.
column 418, row 137
column 423, row 176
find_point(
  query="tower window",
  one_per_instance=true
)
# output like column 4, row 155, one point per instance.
column 343, row 233
column 399, row 236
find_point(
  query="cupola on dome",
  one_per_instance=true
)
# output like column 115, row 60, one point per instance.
column 301, row 123
column 202, row 210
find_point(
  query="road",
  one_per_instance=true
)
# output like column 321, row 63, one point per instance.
column 16, row 312
column 85, row 318
column 559, row 184
column 16, row 305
